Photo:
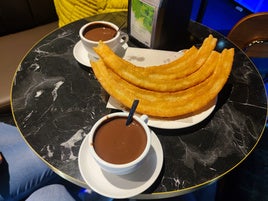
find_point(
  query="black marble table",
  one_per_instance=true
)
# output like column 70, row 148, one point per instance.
column 56, row 100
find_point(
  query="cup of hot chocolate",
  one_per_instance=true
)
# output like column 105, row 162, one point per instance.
column 119, row 148
column 107, row 32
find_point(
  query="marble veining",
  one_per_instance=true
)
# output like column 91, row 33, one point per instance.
column 56, row 101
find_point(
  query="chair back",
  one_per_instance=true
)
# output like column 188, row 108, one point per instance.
column 251, row 34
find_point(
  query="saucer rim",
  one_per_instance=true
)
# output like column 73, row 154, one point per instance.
column 78, row 48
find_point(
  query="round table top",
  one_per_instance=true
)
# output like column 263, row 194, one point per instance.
column 56, row 100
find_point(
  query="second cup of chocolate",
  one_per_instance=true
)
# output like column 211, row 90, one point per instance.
column 119, row 148
column 107, row 32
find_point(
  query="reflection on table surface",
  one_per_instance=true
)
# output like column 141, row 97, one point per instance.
column 56, row 101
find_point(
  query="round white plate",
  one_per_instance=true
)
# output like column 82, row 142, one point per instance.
column 121, row 186
column 171, row 123
column 83, row 57
column 144, row 57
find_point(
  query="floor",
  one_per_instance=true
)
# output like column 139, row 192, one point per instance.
column 248, row 182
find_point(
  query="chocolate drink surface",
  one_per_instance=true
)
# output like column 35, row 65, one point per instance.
column 117, row 143
column 97, row 32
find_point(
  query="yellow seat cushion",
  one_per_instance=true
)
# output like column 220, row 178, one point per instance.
column 71, row 10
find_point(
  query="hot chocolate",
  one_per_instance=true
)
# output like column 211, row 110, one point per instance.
column 107, row 32
column 117, row 143
column 99, row 31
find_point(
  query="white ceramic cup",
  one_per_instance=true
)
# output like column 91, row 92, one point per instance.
column 116, row 42
column 126, row 168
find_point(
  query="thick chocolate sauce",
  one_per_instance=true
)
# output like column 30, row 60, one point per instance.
column 97, row 32
column 117, row 143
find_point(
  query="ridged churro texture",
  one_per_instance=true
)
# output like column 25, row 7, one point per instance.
column 181, row 87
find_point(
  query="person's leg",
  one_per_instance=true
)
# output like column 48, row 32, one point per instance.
column 51, row 192
column 21, row 171
column 60, row 192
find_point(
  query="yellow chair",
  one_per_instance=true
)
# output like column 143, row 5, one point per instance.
column 71, row 10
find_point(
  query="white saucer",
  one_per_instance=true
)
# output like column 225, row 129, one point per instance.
column 83, row 57
column 80, row 54
column 123, row 186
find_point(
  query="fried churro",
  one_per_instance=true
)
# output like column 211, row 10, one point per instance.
column 169, row 98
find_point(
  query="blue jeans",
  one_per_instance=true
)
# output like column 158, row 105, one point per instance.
column 22, row 171
column 25, row 176
column 56, row 192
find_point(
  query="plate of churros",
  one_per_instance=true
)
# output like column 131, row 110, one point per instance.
column 176, row 89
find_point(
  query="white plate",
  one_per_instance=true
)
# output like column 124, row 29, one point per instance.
column 171, row 123
column 149, row 57
column 83, row 57
column 124, row 186
column 145, row 57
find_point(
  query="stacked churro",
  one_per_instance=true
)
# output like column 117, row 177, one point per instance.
column 180, row 87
